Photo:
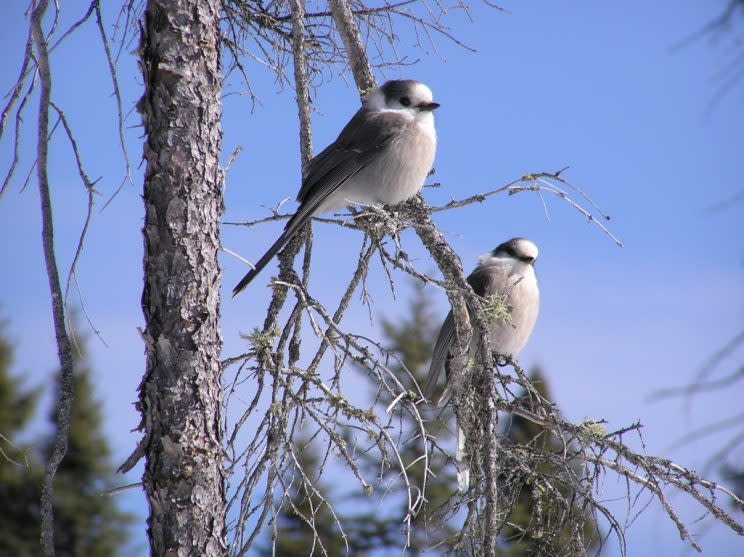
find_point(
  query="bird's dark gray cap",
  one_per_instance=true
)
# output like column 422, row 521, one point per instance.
column 512, row 248
column 397, row 88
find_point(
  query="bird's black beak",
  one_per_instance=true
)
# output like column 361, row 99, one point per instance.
column 428, row 106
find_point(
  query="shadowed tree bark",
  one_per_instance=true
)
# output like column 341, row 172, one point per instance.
column 181, row 394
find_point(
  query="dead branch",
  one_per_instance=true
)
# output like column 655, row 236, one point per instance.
column 356, row 55
column 64, row 348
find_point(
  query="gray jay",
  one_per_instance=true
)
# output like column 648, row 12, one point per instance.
column 508, row 272
column 381, row 157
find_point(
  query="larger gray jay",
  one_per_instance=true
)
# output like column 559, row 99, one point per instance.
column 381, row 157
column 508, row 272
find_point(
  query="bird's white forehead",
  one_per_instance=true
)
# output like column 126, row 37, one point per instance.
column 527, row 248
column 422, row 92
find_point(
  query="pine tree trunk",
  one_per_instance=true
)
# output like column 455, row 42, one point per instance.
column 181, row 394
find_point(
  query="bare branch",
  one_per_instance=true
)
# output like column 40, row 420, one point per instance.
column 15, row 92
column 117, row 95
column 356, row 55
column 302, row 94
column 539, row 182
column 17, row 137
column 64, row 348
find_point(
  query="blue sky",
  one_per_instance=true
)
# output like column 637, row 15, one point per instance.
column 596, row 87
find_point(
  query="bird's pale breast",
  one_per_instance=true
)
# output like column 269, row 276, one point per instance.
column 523, row 298
column 397, row 174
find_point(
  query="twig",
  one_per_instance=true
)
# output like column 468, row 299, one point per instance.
column 117, row 95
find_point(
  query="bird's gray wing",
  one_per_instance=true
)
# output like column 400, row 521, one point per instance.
column 480, row 281
column 440, row 355
column 483, row 278
column 366, row 135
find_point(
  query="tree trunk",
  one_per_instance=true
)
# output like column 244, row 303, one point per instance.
column 181, row 394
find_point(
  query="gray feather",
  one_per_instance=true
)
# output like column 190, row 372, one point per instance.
column 439, row 356
column 367, row 134
column 486, row 281
column 479, row 281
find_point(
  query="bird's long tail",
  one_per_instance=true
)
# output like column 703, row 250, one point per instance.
column 293, row 225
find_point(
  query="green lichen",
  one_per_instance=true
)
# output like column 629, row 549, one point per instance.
column 262, row 340
column 496, row 309
column 593, row 428
column 364, row 92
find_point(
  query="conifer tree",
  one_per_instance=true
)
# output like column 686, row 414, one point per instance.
column 20, row 472
column 86, row 523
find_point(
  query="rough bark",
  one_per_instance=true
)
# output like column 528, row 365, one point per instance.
column 181, row 394
column 64, row 347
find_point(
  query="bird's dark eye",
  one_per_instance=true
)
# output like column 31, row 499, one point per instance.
column 405, row 101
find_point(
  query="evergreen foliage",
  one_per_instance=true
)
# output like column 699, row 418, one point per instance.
column 87, row 524
column 20, row 473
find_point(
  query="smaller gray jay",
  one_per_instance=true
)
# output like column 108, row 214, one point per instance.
column 508, row 272
column 381, row 157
